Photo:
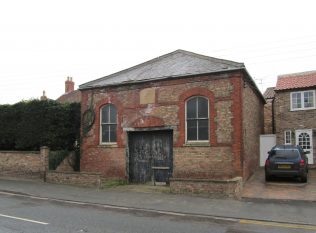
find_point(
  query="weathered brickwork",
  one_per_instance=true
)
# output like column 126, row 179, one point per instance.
column 285, row 119
column 252, row 128
column 74, row 178
column 21, row 164
column 220, row 88
column 109, row 161
column 268, row 117
column 223, row 120
column 26, row 164
column 211, row 188
column 168, row 113
column 220, row 159
column 203, row 162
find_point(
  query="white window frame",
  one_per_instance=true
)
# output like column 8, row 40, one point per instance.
column 107, row 143
column 302, row 100
column 208, row 118
column 290, row 137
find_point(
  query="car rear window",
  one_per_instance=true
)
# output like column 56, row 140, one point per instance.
column 287, row 154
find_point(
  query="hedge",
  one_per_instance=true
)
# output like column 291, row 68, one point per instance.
column 28, row 125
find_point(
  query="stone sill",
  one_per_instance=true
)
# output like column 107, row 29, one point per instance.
column 113, row 145
column 197, row 144
column 302, row 109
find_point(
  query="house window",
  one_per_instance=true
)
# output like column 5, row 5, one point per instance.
column 288, row 137
column 197, row 119
column 303, row 100
column 108, row 124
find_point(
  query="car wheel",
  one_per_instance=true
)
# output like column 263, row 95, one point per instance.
column 268, row 178
column 304, row 178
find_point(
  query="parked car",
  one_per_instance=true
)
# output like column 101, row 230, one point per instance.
column 286, row 161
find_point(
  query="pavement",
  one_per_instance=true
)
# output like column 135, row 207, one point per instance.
column 152, row 200
column 280, row 189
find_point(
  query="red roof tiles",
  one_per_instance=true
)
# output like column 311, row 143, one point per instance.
column 296, row 80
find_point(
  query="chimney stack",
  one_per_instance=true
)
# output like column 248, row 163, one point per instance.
column 44, row 97
column 69, row 85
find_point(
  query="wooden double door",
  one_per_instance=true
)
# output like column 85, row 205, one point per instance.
column 150, row 156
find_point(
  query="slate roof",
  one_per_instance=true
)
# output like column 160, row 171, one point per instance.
column 296, row 80
column 269, row 93
column 179, row 63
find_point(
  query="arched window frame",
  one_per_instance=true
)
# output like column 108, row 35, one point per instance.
column 197, row 119
column 112, row 138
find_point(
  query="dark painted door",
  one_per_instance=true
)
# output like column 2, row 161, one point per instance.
column 150, row 151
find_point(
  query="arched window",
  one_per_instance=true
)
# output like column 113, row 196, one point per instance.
column 197, row 119
column 108, row 123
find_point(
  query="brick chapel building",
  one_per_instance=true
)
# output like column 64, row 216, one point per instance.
column 186, row 119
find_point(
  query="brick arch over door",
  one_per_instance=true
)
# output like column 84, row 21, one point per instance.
column 119, row 107
column 212, row 114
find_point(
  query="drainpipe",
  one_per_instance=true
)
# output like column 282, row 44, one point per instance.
column 273, row 120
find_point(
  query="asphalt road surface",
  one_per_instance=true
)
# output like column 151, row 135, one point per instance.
column 27, row 215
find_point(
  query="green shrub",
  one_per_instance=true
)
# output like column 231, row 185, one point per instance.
column 28, row 125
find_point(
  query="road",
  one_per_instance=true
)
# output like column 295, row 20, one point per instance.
column 27, row 215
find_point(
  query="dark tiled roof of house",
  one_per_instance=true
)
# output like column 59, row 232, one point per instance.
column 269, row 93
column 296, row 80
column 179, row 63
column 70, row 97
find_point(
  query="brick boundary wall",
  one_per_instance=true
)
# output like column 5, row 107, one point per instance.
column 85, row 179
column 23, row 164
column 212, row 188
column 34, row 165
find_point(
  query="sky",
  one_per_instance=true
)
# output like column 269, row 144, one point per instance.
column 42, row 42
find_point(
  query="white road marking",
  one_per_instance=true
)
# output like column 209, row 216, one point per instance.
column 23, row 219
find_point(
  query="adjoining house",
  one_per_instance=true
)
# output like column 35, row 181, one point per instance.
column 269, row 126
column 295, row 111
column 186, row 119
column 71, row 95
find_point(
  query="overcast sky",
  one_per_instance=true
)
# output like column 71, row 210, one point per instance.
column 43, row 42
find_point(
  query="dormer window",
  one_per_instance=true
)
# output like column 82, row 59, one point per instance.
column 303, row 100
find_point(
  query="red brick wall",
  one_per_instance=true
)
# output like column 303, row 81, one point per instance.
column 108, row 161
column 220, row 158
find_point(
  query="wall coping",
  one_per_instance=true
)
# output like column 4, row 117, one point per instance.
column 75, row 173
column 233, row 180
column 19, row 152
